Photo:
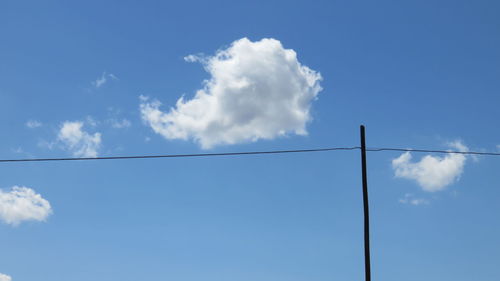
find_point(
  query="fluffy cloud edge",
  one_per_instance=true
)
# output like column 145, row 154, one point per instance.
column 5, row 277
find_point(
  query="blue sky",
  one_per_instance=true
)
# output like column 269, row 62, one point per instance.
column 418, row 74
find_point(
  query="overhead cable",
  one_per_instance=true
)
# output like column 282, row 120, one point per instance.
column 371, row 149
column 377, row 149
column 179, row 155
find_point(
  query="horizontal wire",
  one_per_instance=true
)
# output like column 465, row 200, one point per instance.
column 371, row 149
column 376, row 149
column 180, row 155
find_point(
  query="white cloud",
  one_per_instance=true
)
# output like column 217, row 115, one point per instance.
column 22, row 204
column 5, row 277
column 257, row 90
column 410, row 199
column 33, row 124
column 194, row 58
column 432, row 173
column 120, row 124
column 103, row 79
column 78, row 141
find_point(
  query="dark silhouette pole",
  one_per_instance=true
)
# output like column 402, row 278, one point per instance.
column 365, row 205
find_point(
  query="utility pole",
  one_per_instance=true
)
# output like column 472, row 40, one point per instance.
column 365, row 205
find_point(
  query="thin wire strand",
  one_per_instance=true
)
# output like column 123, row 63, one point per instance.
column 372, row 149
column 180, row 155
column 377, row 149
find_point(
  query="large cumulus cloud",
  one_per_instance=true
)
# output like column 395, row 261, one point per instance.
column 257, row 90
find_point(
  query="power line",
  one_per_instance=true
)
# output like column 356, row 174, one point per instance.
column 377, row 149
column 180, row 155
column 373, row 149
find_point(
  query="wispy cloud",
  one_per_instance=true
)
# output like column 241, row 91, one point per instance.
column 103, row 79
column 120, row 123
column 20, row 150
column 23, row 204
column 257, row 90
column 410, row 199
column 79, row 142
column 33, row 124
column 115, row 119
column 91, row 121
column 197, row 58
column 432, row 173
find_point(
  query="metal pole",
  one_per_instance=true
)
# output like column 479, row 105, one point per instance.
column 365, row 205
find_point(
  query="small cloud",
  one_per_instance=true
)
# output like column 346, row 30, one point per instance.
column 5, row 277
column 33, row 124
column 196, row 58
column 410, row 199
column 23, row 204
column 100, row 81
column 432, row 173
column 191, row 58
column 257, row 90
column 103, row 79
column 78, row 141
column 120, row 124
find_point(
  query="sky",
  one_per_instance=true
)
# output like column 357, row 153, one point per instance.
column 113, row 78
